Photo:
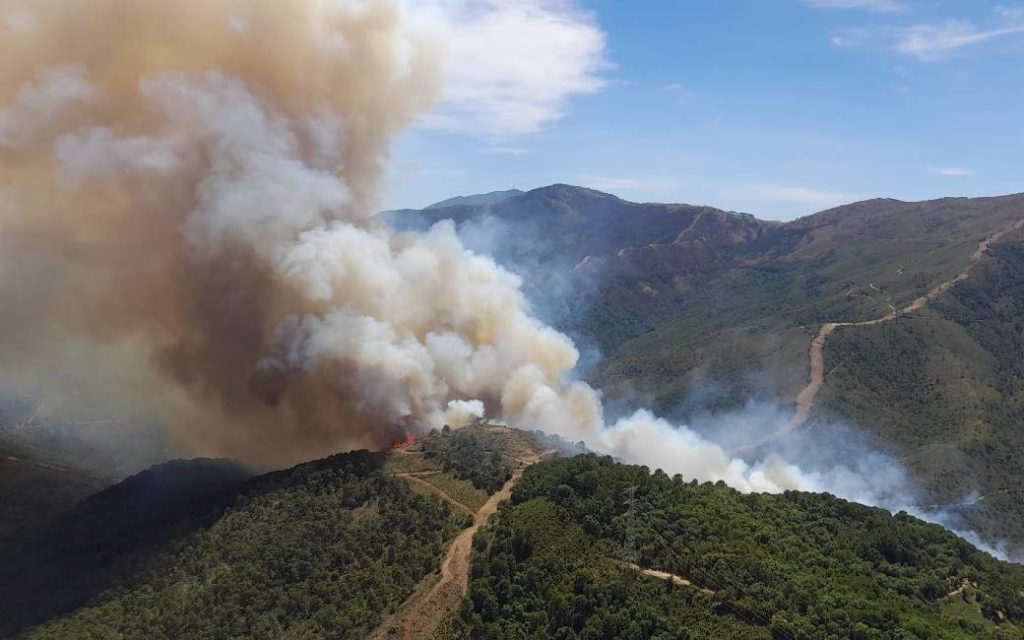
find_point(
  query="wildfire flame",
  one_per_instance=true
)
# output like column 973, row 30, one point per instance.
column 401, row 444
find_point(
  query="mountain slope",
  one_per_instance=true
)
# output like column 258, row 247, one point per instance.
column 59, row 565
column 350, row 547
column 563, row 560
column 849, row 264
column 493, row 197
column 326, row 548
column 578, row 249
column 37, row 488
column 947, row 389
column 578, row 223
column 48, row 465
column 697, row 311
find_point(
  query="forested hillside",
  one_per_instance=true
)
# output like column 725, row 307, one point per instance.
column 585, row 548
column 327, row 549
column 564, row 560
column 199, row 548
column 947, row 388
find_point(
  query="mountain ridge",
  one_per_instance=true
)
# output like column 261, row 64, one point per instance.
column 560, row 189
column 351, row 546
column 702, row 314
column 492, row 197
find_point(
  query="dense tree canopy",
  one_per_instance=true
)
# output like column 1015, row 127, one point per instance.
column 327, row 549
column 557, row 565
column 469, row 455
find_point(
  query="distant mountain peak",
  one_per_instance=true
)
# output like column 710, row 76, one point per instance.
column 494, row 197
column 563, row 191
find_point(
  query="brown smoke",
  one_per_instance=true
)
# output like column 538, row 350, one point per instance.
column 154, row 157
column 186, row 225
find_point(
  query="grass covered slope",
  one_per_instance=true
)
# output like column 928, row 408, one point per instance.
column 739, row 327
column 946, row 389
column 327, row 549
column 557, row 564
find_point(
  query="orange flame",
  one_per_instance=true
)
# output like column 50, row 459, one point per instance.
column 401, row 444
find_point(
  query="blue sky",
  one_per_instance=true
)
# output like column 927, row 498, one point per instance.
column 774, row 107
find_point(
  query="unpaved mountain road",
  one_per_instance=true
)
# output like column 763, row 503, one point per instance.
column 416, row 478
column 427, row 608
column 805, row 400
column 425, row 614
column 963, row 504
column 662, row 575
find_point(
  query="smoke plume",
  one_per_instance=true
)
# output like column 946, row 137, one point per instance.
column 187, row 221
column 189, row 197
column 190, row 185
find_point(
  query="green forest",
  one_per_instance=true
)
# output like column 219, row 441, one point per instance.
column 585, row 549
column 470, row 455
column 557, row 564
column 327, row 549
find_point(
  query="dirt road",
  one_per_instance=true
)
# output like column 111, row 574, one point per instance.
column 425, row 613
column 661, row 575
column 415, row 477
column 422, row 615
column 808, row 395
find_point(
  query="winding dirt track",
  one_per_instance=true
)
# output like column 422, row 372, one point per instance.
column 425, row 613
column 426, row 610
column 806, row 398
column 415, row 477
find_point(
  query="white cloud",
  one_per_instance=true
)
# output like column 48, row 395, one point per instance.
column 616, row 184
column 513, row 65
column 796, row 195
column 955, row 172
column 1010, row 13
column 680, row 92
column 880, row 6
column 931, row 42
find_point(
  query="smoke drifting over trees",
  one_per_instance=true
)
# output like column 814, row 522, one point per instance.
column 190, row 191
column 187, row 225
column 169, row 169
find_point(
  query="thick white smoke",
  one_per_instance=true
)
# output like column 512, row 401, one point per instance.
column 190, row 187
column 197, row 184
